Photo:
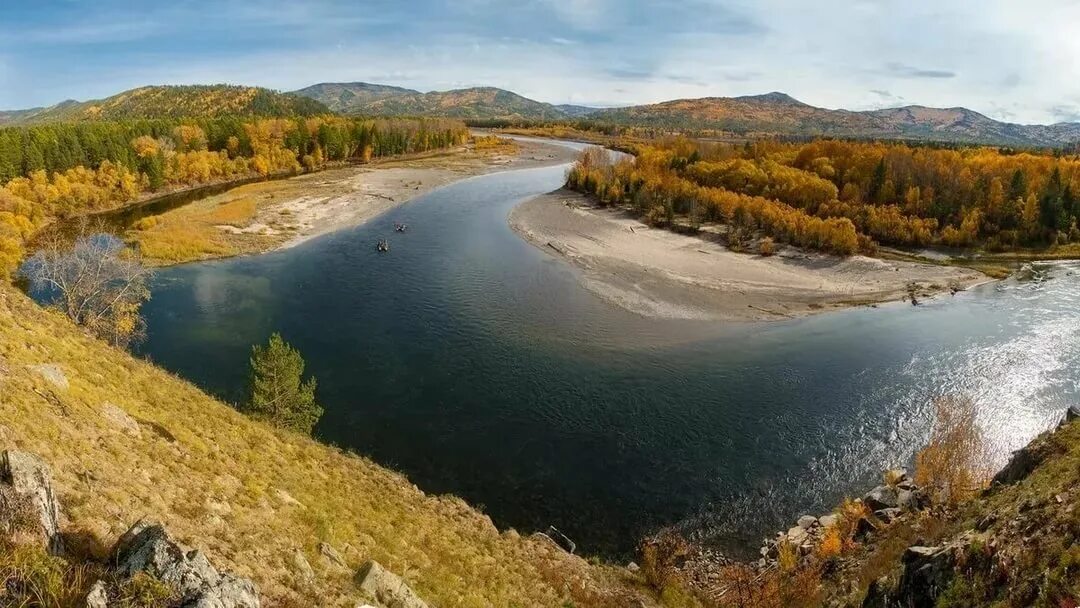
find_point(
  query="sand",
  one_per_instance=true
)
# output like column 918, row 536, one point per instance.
column 342, row 198
column 658, row 273
column 265, row 216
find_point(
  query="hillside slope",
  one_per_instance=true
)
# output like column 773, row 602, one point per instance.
column 126, row 440
column 779, row 114
column 382, row 100
column 174, row 102
column 347, row 97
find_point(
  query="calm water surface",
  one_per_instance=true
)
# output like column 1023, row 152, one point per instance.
column 476, row 364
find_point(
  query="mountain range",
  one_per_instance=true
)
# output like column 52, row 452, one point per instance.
column 771, row 114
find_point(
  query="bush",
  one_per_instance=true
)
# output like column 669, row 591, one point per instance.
column 953, row 465
column 766, row 247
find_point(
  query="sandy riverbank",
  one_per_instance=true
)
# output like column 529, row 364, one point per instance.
column 659, row 273
column 264, row 216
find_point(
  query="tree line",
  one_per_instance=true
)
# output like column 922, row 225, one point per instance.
column 842, row 196
column 61, row 170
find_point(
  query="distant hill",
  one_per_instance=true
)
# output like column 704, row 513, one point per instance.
column 381, row 100
column 780, row 114
column 347, row 97
column 577, row 111
column 173, row 102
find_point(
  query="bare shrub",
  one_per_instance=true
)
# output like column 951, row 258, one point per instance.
column 953, row 466
column 96, row 281
column 661, row 556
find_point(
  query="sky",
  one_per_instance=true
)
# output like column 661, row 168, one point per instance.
column 1011, row 60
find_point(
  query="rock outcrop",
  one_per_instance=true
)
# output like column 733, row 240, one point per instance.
column 25, row 483
column 386, row 588
column 146, row 547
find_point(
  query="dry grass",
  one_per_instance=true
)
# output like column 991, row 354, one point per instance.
column 194, row 232
column 494, row 144
column 249, row 495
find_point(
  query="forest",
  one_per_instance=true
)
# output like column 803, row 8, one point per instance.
column 64, row 169
column 845, row 196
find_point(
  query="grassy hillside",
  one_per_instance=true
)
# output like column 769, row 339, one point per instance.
column 205, row 101
column 127, row 440
column 381, row 100
column 348, row 97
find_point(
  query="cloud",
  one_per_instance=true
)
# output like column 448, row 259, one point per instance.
column 1064, row 113
column 998, row 57
column 901, row 70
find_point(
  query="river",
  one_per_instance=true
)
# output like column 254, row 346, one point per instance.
column 476, row 364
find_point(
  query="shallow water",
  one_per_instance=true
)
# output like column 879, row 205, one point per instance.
column 476, row 364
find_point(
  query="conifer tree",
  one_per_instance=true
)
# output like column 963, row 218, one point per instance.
column 278, row 394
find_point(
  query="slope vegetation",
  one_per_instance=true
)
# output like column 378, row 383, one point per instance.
column 206, row 101
column 480, row 102
column 779, row 114
column 126, row 440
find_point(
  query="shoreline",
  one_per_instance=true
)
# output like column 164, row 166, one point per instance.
column 265, row 216
column 654, row 272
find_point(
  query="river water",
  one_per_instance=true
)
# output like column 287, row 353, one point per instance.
column 476, row 364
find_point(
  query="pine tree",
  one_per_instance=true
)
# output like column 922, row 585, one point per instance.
column 277, row 393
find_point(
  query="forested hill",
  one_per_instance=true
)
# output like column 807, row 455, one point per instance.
column 477, row 103
column 775, row 114
column 173, row 102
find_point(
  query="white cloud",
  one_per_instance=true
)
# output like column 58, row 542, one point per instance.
column 1011, row 61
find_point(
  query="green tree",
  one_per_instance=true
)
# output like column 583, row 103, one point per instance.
column 877, row 182
column 277, row 393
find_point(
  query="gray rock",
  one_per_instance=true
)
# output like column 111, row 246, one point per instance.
column 28, row 476
column 881, row 497
column 633, row 567
column 331, row 555
column 906, row 499
column 863, row 527
column 302, row 567
column 796, row 535
column 888, row 515
column 146, row 547
column 386, row 587
column 828, row 521
column 1072, row 413
column 561, row 539
column 98, row 597
column 807, row 521
column 52, row 374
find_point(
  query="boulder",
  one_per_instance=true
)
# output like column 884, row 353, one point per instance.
column 146, row 547
column 887, row 515
column 561, row 539
column 796, row 535
column 25, row 478
column 1026, row 459
column 863, row 527
column 828, row 521
column 98, row 596
column 302, row 567
column 807, row 521
column 927, row 573
column 331, row 555
column 906, row 499
column 1072, row 413
column 52, row 374
column 386, row 588
column 881, row 497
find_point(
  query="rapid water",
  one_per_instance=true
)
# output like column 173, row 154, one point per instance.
column 476, row 364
